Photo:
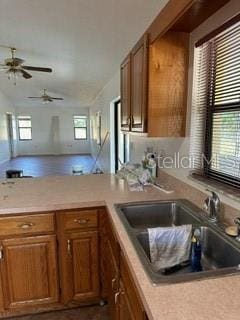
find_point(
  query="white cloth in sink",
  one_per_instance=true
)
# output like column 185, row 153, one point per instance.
column 169, row 246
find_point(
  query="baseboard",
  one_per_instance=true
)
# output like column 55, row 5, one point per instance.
column 52, row 155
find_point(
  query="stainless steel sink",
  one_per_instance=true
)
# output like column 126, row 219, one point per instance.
column 158, row 214
column 220, row 253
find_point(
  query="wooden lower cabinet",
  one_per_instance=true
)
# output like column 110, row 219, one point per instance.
column 29, row 273
column 129, row 299
column 119, row 288
column 84, row 269
column 110, row 253
column 78, row 236
column 81, row 264
column 124, row 308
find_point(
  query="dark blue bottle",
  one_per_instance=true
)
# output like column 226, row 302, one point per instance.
column 196, row 265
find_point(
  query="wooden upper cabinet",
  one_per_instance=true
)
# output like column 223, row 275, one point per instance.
column 126, row 94
column 168, row 76
column 157, row 102
column 29, row 272
column 139, row 79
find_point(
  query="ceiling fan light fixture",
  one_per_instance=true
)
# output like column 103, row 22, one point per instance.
column 16, row 68
column 14, row 74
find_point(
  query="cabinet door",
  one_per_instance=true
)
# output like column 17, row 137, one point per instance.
column 112, row 281
column 139, row 86
column 80, row 267
column 29, row 271
column 168, row 84
column 109, row 264
column 130, row 293
column 124, row 309
column 126, row 94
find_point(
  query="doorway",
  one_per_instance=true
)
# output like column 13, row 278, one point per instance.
column 121, row 139
column 10, row 134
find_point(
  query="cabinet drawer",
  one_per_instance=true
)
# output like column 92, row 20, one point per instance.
column 17, row 225
column 84, row 219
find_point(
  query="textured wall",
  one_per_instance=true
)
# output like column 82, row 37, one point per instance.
column 5, row 106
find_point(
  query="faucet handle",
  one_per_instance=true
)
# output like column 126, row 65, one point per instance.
column 213, row 193
column 237, row 222
column 206, row 204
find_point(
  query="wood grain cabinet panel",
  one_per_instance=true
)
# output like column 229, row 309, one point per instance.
column 124, row 309
column 112, row 279
column 158, row 86
column 110, row 259
column 168, row 74
column 81, row 219
column 139, row 76
column 129, row 297
column 29, row 271
column 27, row 224
column 85, row 265
column 80, row 266
column 125, row 73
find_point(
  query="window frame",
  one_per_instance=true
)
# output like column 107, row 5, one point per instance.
column 28, row 118
column 82, row 127
column 212, row 110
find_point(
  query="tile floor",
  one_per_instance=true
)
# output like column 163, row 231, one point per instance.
column 40, row 166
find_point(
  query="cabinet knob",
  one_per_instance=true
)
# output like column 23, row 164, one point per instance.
column 26, row 225
column 81, row 221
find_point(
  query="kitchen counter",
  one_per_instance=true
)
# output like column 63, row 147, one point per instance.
column 212, row 299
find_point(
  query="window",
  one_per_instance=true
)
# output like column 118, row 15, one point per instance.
column 216, row 123
column 25, row 128
column 80, row 127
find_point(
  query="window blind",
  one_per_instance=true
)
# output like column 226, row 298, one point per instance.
column 215, row 135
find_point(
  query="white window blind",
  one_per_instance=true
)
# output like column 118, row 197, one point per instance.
column 215, row 132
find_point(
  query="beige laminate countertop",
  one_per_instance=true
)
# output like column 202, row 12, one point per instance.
column 212, row 299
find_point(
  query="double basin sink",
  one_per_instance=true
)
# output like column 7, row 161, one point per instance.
column 220, row 253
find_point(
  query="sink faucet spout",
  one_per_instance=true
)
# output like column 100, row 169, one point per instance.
column 212, row 205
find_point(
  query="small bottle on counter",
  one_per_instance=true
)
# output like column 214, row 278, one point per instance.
column 196, row 253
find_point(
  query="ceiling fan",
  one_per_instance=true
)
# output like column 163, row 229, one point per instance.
column 45, row 97
column 14, row 67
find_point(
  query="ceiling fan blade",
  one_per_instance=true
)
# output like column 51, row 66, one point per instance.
column 56, row 98
column 3, row 67
column 37, row 69
column 14, row 62
column 25, row 74
column 34, row 97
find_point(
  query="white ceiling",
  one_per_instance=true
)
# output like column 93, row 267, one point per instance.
column 83, row 41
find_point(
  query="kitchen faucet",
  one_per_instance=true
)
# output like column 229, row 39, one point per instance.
column 212, row 205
